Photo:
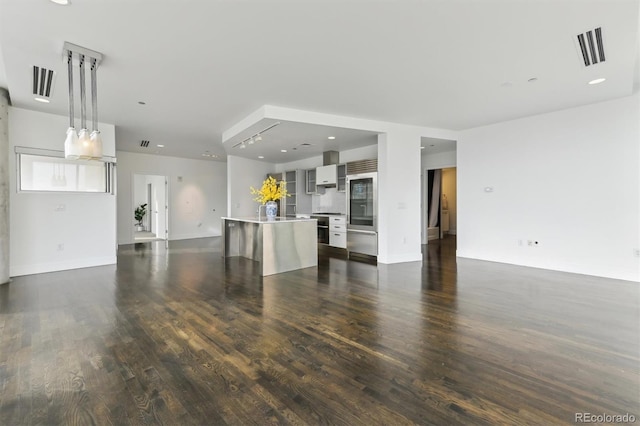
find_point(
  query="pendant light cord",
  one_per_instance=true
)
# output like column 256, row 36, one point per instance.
column 94, row 94
column 83, row 96
column 70, row 73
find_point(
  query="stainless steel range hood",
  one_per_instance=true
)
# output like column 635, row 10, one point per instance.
column 326, row 176
column 330, row 157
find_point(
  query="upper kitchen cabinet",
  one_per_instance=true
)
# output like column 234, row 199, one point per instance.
column 311, row 186
column 311, row 181
column 342, row 177
column 298, row 201
column 326, row 175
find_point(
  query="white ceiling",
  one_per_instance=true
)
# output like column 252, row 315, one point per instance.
column 201, row 66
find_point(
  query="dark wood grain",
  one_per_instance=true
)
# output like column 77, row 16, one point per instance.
column 178, row 334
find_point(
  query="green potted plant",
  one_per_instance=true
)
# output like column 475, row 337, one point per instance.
column 138, row 215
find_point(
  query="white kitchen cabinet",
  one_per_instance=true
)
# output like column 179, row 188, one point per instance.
column 298, row 201
column 338, row 239
column 311, row 186
column 311, row 181
column 342, row 178
column 327, row 175
column 338, row 231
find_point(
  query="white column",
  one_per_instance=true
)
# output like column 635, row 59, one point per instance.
column 399, row 195
column 4, row 186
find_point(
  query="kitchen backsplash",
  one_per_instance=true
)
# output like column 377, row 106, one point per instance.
column 331, row 201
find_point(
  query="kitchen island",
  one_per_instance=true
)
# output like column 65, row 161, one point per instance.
column 279, row 245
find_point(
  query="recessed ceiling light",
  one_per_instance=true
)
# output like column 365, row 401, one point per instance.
column 160, row 146
column 142, row 102
column 62, row 2
column 331, row 137
column 283, row 150
column 43, row 100
column 261, row 156
column 597, row 81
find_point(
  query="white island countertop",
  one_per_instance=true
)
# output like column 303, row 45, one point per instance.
column 254, row 219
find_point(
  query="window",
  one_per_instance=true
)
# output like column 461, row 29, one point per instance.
column 43, row 170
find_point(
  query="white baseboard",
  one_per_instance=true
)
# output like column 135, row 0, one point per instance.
column 41, row 268
column 400, row 258
column 191, row 236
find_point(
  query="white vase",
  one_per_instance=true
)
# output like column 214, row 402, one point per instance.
column 271, row 210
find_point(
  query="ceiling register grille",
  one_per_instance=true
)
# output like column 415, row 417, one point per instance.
column 591, row 47
column 42, row 81
column 363, row 166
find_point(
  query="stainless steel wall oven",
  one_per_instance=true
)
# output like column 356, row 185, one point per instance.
column 323, row 229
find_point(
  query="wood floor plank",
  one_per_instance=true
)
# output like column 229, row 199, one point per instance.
column 178, row 334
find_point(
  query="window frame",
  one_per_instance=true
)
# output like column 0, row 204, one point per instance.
column 110, row 171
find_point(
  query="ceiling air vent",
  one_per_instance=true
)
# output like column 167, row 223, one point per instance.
column 144, row 144
column 302, row 145
column 591, row 47
column 43, row 82
column 362, row 166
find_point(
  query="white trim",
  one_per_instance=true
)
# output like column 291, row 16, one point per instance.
column 40, row 268
column 400, row 258
column 191, row 236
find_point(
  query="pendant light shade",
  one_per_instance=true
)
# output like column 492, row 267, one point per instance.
column 96, row 139
column 71, row 145
column 82, row 145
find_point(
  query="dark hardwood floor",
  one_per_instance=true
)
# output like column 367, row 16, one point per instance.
column 181, row 336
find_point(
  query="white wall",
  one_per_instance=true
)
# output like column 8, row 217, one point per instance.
column 197, row 194
column 449, row 190
column 307, row 163
column 399, row 196
column 568, row 179
column 44, row 237
column 439, row 160
column 364, row 153
column 243, row 173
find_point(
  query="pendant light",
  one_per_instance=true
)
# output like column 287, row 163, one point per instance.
column 71, row 146
column 83, row 145
column 96, row 139
column 84, row 139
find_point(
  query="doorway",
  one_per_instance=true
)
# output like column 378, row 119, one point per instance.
column 440, row 207
column 150, row 193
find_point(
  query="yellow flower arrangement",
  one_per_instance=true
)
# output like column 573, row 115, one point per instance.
column 271, row 191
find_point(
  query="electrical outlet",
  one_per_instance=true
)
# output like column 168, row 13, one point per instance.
column 636, row 252
column 60, row 247
column 530, row 242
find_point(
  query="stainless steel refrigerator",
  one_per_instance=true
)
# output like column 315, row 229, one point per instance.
column 362, row 213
